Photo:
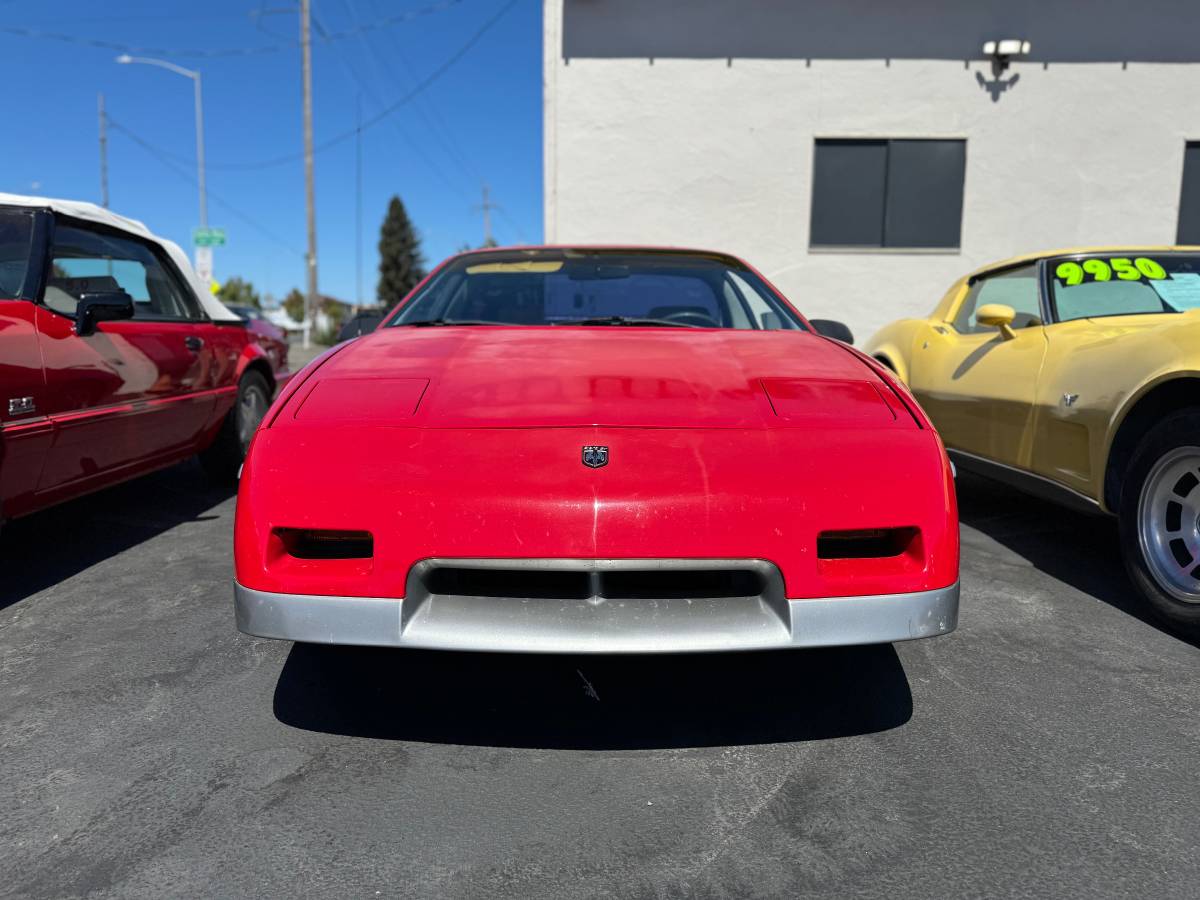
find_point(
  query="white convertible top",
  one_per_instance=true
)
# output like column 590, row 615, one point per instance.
column 90, row 212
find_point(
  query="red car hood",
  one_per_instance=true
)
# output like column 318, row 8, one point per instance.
column 466, row 442
column 490, row 377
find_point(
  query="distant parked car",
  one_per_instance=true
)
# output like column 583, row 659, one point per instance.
column 114, row 359
column 1072, row 374
column 271, row 336
column 364, row 321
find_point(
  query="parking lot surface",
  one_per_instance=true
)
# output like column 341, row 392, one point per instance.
column 1047, row 748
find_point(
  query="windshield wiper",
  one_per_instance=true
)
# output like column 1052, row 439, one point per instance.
column 627, row 320
column 430, row 323
column 595, row 320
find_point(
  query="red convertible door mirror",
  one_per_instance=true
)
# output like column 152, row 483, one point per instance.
column 101, row 306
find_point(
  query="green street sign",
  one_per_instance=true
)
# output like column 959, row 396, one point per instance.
column 208, row 237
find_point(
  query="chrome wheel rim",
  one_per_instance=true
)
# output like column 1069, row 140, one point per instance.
column 1169, row 523
column 252, row 406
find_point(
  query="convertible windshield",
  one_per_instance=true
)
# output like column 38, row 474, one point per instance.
column 597, row 288
column 1112, row 284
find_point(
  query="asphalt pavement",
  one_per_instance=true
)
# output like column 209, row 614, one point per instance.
column 1048, row 748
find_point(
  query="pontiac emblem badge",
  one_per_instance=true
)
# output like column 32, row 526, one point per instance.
column 595, row 457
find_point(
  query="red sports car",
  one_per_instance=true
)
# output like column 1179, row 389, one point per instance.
column 114, row 359
column 596, row 450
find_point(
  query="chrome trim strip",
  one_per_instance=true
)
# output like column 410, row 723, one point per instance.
column 523, row 625
column 1029, row 482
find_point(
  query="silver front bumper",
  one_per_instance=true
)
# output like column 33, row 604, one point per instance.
column 598, row 624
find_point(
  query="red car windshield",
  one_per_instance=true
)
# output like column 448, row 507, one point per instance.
column 16, row 235
column 574, row 287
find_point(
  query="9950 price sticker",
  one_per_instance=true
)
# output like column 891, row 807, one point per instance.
column 1097, row 269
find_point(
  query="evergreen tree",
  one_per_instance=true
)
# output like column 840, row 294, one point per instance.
column 400, row 262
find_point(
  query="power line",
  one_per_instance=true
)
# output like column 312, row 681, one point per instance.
column 187, row 176
column 513, row 225
column 427, row 111
column 436, row 124
column 420, row 88
column 416, row 91
column 378, row 67
column 365, row 88
column 203, row 53
column 389, row 21
column 486, row 208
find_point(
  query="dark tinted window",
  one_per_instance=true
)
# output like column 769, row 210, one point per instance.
column 564, row 287
column 888, row 193
column 1189, row 200
column 16, row 233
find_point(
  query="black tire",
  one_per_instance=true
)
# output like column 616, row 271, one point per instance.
column 224, row 456
column 1157, row 511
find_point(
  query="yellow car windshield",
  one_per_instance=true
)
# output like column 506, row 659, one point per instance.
column 1110, row 284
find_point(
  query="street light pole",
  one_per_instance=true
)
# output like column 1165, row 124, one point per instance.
column 126, row 59
column 200, row 155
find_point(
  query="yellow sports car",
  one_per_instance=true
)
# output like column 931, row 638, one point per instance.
column 1075, row 375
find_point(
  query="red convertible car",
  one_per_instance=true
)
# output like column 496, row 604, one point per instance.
column 596, row 450
column 114, row 359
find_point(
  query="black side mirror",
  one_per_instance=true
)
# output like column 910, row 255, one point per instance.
column 831, row 329
column 101, row 306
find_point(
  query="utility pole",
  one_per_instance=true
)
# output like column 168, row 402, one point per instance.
column 103, row 151
column 487, row 206
column 358, row 298
column 310, row 299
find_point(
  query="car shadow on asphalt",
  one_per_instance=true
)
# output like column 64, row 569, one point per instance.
column 594, row 702
column 46, row 548
column 1081, row 550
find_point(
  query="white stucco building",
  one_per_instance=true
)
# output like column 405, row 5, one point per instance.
column 863, row 153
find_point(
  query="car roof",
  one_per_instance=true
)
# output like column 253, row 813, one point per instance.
column 90, row 212
column 534, row 249
column 1076, row 251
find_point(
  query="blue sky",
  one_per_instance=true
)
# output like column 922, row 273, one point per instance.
column 479, row 121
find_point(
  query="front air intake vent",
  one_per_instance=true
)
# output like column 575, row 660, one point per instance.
column 312, row 543
column 868, row 543
column 580, row 584
column 681, row 583
column 596, row 605
column 500, row 582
